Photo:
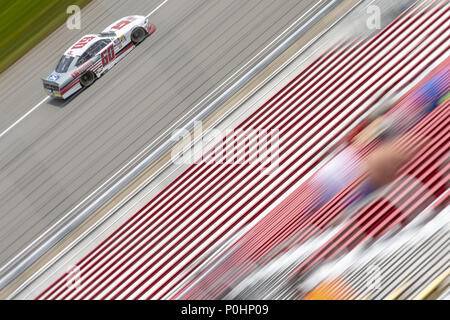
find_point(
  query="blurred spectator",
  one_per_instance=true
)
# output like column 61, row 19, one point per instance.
column 385, row 133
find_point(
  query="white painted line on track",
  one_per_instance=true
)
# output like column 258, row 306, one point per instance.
column 23, row 117
column 157, row 8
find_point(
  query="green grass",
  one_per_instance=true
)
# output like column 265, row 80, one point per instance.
column 24, row 23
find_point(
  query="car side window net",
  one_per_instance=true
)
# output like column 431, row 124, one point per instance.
column 108, row 34
column 86, row 56
column 100, row 45
column 92, row 51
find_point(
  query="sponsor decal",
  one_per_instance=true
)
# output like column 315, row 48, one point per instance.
column 119, row 42
column 77, row 72
column 53, row 77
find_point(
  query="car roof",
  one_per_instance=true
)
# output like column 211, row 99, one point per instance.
column 79, row 47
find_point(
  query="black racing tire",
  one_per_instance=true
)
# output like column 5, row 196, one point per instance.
column 138, row 35
column 87, row 79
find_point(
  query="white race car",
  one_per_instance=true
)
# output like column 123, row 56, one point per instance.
column 94, row 54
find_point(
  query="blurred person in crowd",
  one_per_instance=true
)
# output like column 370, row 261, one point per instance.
column 385, row 130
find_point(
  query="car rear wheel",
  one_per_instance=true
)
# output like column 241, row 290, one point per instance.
column 87, row 79
column 138, row 35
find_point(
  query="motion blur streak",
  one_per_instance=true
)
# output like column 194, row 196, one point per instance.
column 159, row 252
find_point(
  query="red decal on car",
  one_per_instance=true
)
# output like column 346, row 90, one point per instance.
column 83, row 68
column 84, row 41
column 123, row 23
column 108, row 55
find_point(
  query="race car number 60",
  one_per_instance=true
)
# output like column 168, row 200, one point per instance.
column 108, row 55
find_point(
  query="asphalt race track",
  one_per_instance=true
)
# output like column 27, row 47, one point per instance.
column 61, row 152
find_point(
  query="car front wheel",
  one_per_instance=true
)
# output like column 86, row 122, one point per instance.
column 138, row 35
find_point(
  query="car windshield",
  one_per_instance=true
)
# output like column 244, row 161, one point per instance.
column 107, row 34
column 64, row 64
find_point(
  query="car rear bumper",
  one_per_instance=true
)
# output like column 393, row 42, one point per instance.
column 55, row 95
column 53, row 90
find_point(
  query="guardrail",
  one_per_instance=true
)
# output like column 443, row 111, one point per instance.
column 136, row 166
